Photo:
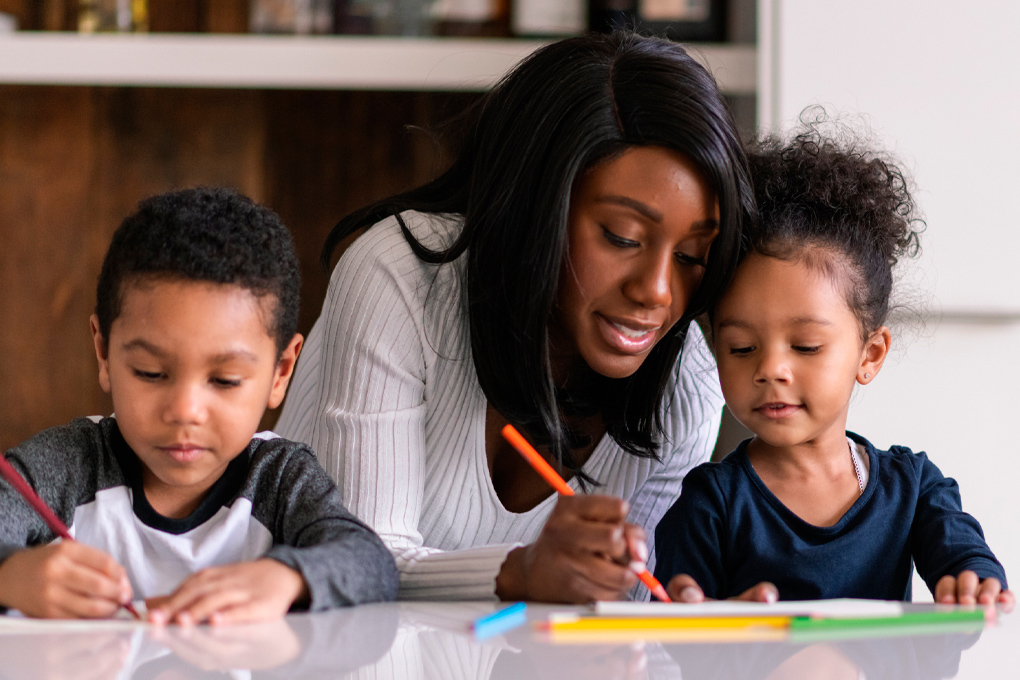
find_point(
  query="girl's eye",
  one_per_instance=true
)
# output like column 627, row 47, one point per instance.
column 690, row 260
column 151, row 376
column 741, row 350
column 806, row 350
column 618, row 241
column 226, row 382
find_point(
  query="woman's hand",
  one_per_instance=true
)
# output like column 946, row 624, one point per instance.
column 967, row 588
column 235, row 593
column 581, row 555
column 683, row 588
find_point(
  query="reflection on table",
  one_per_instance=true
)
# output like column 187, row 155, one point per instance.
column 425, row 641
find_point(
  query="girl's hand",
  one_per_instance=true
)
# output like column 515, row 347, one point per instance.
column 967, row 588
column 683, row 588
column 236, row 593
column 65, row 580
column 581, row 555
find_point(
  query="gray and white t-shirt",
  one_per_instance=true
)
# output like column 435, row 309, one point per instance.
column 273, row 500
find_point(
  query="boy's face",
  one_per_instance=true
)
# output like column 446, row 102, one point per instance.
column 789, row 352
column 191, row 368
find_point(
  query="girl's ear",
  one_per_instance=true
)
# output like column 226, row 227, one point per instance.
column 876, row 349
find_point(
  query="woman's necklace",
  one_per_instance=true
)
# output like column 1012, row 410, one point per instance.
column 857, row 467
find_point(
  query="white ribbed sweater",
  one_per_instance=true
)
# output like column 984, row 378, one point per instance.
column 386, row 394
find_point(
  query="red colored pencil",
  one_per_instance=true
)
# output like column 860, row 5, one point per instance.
column 554, row 480
column 8, row 472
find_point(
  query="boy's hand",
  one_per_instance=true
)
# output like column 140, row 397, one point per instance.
column 65, row 580
column 236, row 593
column 683, row 588
column 967, row 588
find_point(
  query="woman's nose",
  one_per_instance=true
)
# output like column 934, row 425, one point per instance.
column 649, row 283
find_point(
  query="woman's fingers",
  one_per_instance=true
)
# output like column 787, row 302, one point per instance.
column 683, row 588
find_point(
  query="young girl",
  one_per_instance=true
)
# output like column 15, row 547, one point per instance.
column 805, row 507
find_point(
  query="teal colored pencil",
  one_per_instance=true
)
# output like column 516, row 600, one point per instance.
column 500, row 621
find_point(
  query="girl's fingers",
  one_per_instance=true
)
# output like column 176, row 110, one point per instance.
column 966, row 587
column 683, row 588
column 945, row 590
column 988, row 591
column 1007, row 600
column 763, row 592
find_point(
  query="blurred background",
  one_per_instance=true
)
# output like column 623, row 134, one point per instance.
column 316, row 107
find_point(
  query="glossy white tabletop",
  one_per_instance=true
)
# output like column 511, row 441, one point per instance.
column 434, row 641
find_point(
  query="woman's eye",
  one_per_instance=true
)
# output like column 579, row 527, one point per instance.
column 151, row 376
column 741, row 350
column 618, row 241
column 805, row 349
column 226, row 382
column 684, row 258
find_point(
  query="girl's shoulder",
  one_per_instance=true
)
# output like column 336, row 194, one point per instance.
column 898, row 463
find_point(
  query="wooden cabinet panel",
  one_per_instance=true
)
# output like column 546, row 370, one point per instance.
column 75, row 161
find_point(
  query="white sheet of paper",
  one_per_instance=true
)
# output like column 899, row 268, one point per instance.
column 837, row 609
column 16, row 623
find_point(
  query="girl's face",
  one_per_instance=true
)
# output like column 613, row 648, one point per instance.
column 789, row 351
column 639, row 232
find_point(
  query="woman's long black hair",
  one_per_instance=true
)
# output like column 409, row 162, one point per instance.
column 565, row 108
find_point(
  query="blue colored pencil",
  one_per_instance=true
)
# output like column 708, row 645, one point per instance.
column 499, row 621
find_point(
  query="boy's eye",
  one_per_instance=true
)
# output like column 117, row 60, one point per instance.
column 804, row 349
column 741, row 350
column 618, row 241
column 148, row 375
column 226, row 382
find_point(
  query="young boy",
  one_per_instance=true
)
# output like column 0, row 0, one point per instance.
column 175, row 499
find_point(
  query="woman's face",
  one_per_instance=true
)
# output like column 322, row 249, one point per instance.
column 639, row 232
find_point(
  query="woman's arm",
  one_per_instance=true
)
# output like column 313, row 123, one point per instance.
column 358, row 399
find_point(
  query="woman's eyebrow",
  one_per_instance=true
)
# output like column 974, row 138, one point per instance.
column 635, row 205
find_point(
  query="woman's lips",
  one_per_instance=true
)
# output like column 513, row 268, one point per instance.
column 778, row 410
column 626, row 338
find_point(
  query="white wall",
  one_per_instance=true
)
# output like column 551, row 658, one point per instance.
column 938, row 81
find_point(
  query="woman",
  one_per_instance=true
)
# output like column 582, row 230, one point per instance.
column 548, row 279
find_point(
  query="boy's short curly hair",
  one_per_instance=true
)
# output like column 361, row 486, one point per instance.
column 204, row 234
column 838, row 206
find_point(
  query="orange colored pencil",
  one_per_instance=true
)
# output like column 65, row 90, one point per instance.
column 554, row 480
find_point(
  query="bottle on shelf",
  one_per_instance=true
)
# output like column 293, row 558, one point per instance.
column 680, row 20
column 302, row 17
column 123, row 16
column 541, row 18
column 473, row 18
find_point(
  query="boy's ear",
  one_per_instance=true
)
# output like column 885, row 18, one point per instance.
column 876, row 349
column 284, row 370
column 102, row 353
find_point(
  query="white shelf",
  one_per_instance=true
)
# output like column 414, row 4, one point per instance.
column 256, row 62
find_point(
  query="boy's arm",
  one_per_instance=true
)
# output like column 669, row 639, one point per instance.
column 945, row 540
column 343, row 562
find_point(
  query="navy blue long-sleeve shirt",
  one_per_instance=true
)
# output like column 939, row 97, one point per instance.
column 729, row 532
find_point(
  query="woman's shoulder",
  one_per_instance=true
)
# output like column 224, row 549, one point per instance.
column 694, row 395
column 382, row 257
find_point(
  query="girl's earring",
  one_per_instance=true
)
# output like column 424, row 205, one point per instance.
column 867, row 376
